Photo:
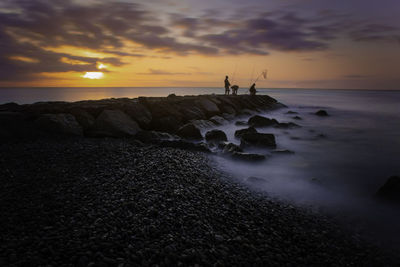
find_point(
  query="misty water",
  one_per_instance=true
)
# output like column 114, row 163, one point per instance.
column 340, row 161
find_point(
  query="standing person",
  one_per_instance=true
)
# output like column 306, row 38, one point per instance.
column 227, row 84
column 253, row 89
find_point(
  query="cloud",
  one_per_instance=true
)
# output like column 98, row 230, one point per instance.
column 163, row 72
column 375, row 32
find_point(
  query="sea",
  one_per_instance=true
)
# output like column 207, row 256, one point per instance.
column 339, row 161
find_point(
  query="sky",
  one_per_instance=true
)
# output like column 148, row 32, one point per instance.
column 343, row 44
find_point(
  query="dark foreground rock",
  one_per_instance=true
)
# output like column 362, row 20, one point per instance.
column 260, row 121
column 321, row 113
column 114, row 202
column 258, row 140
column 190, row 131
column 216, row 136
column 390, row 191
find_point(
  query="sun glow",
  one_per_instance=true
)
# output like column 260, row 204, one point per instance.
column 101, row 66
column 93, row 75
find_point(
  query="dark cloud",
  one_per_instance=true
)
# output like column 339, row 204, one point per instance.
column 375, row 32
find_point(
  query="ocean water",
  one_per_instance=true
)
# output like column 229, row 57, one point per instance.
column 340, row 161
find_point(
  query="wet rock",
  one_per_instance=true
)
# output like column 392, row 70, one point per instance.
column 231, row 148
column 291, row 112
column 260, row 121
column 114, row 123
column 241, row 132
column 282, row 151
column 248, row 156
column 216, row 136
column 228, row 116
column 246, row 112
column 297, row 118
column 203, row 124
column 321, row 113
column 390, row 191
column 258, row 140
column 218, row 120
column 189, row 131
column 64, row 124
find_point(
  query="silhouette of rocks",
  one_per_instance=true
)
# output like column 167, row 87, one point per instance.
column 260, row 121
column 114, row 123
column 291, row 112
column 390, row 191
column 84, row 118
column 64, row 124
column 216, row 136
column 189, row 131
column 258, row 140
column 138, row 113
column 209, row 107
column 239, row 133
column 231, row 148
column 321, row 113
column 287, row 125
column 297, row 118
column 282, row 151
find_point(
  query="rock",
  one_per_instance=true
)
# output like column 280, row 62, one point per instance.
column 282, row 151
column 209, row 107
column 227, row 109
column 297, row 118
column 258, row 140
column 246, row 112
column 390, row 191
column 64, row 124
column 186, row 145
column 241, row 132
column 203, row 124
column 287, row 125
column 189, row 131
column 240, row 123
column 216, row 136
column 114, row 123
column 248, row 156
column 291, row 112
column 171, row 95
column 218, row 120
column 321, row 113
column 84, row 118
column 169, row 124
column 260, row 121
column 154, row 136
column 138, row 113
column 228, row 116
column 231, row 148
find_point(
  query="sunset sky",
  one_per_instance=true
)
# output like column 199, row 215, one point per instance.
column 302, row 43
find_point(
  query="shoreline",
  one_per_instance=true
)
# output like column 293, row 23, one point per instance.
column 113, row 201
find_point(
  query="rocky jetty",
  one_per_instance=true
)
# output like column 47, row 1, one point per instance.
column 126, row 117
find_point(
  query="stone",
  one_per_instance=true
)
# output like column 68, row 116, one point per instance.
column 282, row 151
column 258, row 140
column 138, row 113
column 231, row 148
column 209, row 107
column 84, row 118
column 321, row 113
column 189, row 131
column 216, row 136
column 260, row 121
column 291, row 112
column 241, row 132
column 240, row 123
column 390, row 191
column 218, row 120
column 114, row 123
column 297, row 118
column 169, row 124
column 64, row 124
column 203, row 124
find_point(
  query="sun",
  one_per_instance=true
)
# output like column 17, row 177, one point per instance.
column 93, row 75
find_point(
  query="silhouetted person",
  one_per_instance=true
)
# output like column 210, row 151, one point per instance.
column 253, row 90
column 227, row 84
column 234, row 89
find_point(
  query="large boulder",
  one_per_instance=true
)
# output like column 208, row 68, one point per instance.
column 260, row 121
column 84, row 118
column 258, row 140
column 169, row 124
column 63, row 124
column 390, row 191
column 218, row 120
column 241, row 132
column 216, row 136
column 231, row 148
column 321, row 113
column 138, row 113
column 114, row 123
column 208, row 106
column 189, row 131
